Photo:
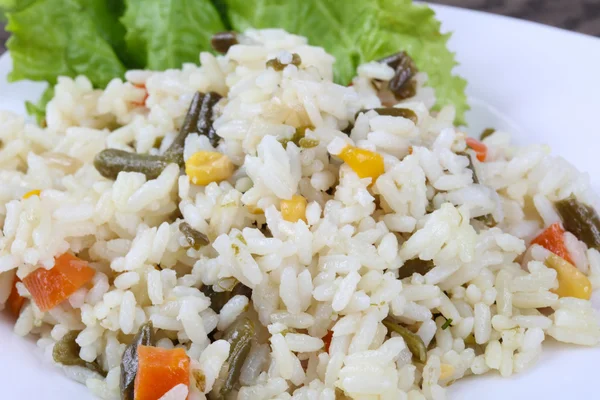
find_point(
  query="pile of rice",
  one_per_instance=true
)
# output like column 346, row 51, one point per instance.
column 337, row 272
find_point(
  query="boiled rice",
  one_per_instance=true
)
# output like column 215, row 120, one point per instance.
column 335, row 272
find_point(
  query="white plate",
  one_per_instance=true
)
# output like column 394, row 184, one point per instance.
column 539, row 82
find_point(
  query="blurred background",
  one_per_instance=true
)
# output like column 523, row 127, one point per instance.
column 576, row 15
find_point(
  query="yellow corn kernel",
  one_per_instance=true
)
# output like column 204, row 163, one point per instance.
column 35, row 192
column 571, row 281
column 365, row 163
column 294, row 209
column 446, row 371
column 255, row 210
column 205, row 167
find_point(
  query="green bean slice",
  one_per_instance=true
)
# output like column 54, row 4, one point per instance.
column 66, row 352
column 487, row 132
column 279, row 66
column 581, row 220
column 413, row 341
column 129, row 361
column 415, row 265
column 205, row 117
column 488, row 220
column 401, row 85
column 195, row 238
column 190, row 123
column 222, row 41
column 110, row 162
column 395, row 112
column 240, row 336
column 471, row 166
column 219, row 299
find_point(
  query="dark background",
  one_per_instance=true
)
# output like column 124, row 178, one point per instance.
column 576, row 15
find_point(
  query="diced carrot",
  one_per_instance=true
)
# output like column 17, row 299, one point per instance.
column 50, row 287
column 15, row 301
column 327, row 340
column 159, row 370
column 143, row 102
column 553, row 239
column 480, row 148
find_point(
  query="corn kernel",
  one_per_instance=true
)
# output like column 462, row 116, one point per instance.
column 35, row 192
column 294, row 209
column 205, row 167
column 446, row 371
column 571, row 281
column 365, row 163
column 255, row 210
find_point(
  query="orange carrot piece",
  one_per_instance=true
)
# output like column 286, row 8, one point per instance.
column 159, row 370
column 15, row 301
column 480, row 148
column 50, row 287
column 553, row 239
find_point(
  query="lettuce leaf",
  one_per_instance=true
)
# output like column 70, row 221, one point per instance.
column 164, row 34
column 51, row 38
column 357, row 31
column 38, row 111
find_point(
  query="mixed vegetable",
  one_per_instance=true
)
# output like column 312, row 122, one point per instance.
column 66, row 352
column 205, row 165
column 130, row 360
column 102, row 39
column 413, row 341
column 402, row 85
column 240, row 335
column 581, row 220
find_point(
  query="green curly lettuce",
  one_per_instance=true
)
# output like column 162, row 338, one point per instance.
column 51, row 38
column 165, row 34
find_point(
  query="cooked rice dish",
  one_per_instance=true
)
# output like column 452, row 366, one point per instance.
column 248, row 229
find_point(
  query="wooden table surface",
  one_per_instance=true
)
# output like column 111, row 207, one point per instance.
column 577, row 15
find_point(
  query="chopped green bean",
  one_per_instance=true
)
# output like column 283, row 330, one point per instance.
column 306, row 143
column 297, row 137
column 395, row 112
column 581, row 220
column 219, row 299
column 190, row 123
column 415, row 265
column 487, row 132
column 129, row 361
column 110, row 162
column 66, row 352
column 401, row 85
column 348, row 130
column 240, row 336
column 195, row 238
column 413, row 341
column 277, row 65
column 471, row 166
column 488, row 220
column 205, row 117
column 222, row 41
